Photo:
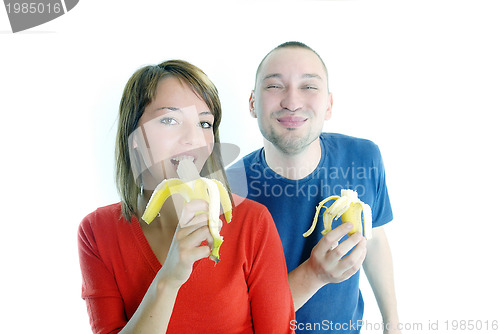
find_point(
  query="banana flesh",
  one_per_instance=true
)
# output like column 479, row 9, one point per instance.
column 192, row 186
column 349, row 208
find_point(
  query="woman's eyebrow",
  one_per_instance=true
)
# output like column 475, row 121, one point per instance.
column 168, row 108
column 203, row 113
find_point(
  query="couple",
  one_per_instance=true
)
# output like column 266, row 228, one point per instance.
column 157, row 278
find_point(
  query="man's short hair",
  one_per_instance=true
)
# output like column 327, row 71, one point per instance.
column 291, row 44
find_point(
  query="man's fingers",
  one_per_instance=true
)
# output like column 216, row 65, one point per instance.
column 331, row 239
column 352, row 262
column 356, row 256
column 329, row 256
column 345, row 246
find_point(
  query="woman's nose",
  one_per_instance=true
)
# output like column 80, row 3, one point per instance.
column 193, row 134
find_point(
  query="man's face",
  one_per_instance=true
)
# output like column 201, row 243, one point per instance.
column 291, row 99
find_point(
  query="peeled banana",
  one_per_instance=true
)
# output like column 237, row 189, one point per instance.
column 350, row 208
column 192, row 186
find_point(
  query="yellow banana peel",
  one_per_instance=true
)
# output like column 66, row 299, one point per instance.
column 191, row 186
column 349, row 208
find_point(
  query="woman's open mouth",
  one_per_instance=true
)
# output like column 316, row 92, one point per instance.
column 175, row 160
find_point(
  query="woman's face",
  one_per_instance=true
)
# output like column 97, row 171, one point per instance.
column 176, row 125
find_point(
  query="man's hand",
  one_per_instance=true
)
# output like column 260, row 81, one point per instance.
column 328, row 263
column 328, row 259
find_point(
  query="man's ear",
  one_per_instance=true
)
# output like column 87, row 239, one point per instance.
column 251, row 104
column 329, row 108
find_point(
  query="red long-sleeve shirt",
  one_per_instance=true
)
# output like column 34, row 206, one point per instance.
column 246, row 292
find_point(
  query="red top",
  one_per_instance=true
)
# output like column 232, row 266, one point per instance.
column 246, row 291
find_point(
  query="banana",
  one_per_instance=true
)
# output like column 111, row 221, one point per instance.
column 350, row 208
column 192, row 186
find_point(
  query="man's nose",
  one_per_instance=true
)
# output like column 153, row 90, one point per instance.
column 292, row 99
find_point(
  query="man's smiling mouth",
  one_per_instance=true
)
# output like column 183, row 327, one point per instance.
column 291, row 121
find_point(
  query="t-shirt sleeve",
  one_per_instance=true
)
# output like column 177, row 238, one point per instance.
column 381, row 208
column 104, row 303
column 270, row 297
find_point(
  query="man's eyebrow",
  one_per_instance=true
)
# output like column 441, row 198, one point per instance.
column 304, row 76
column 312, row 76
column 272, row 75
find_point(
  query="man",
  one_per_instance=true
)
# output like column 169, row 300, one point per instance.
column 297, row 168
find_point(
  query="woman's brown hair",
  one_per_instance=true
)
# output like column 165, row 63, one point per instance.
column 139, row 91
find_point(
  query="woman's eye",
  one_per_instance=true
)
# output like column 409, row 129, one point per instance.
column 206, row 125
column 169, row 121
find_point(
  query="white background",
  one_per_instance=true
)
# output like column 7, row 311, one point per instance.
column 420, row 78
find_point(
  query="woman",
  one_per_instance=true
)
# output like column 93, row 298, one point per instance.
column 157, row 278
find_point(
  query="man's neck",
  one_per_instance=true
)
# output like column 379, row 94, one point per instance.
column 293, row 166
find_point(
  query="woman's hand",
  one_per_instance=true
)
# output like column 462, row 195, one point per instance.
column 185, row 248
column 154, row 312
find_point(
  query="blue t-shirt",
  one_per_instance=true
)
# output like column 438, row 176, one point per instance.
column 346, row 163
